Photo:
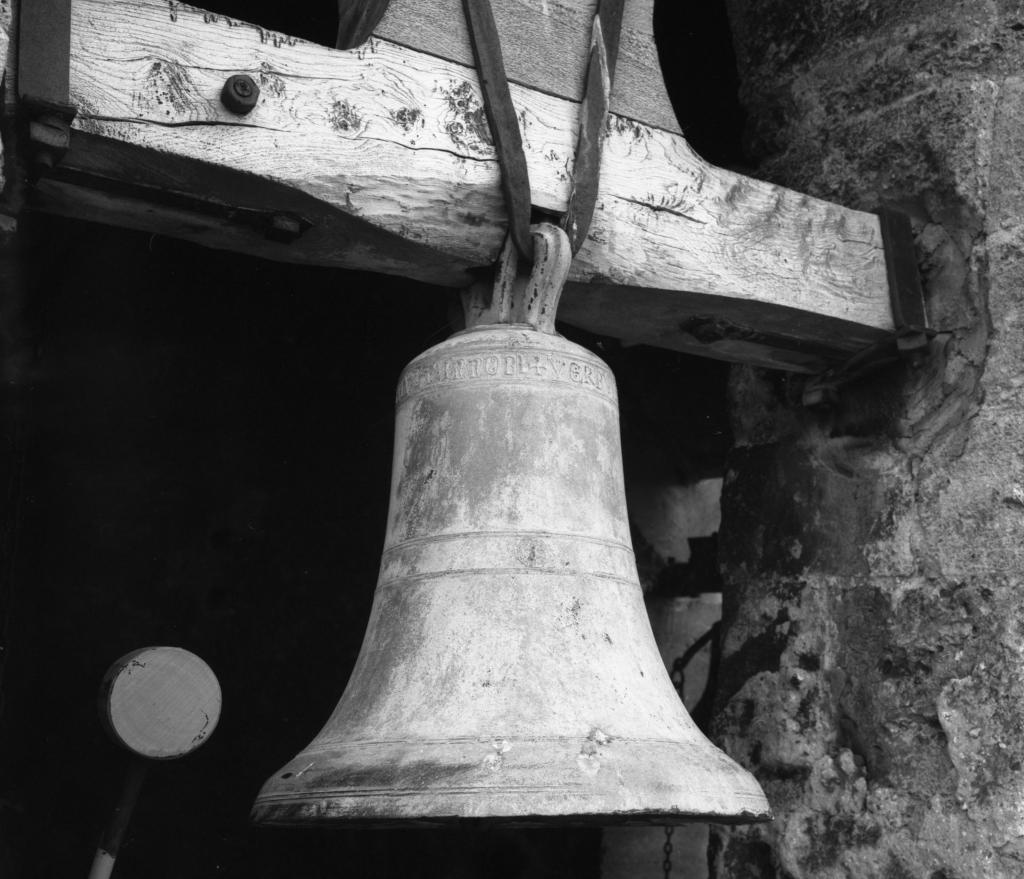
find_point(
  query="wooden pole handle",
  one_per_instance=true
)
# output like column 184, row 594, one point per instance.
column 110, row 844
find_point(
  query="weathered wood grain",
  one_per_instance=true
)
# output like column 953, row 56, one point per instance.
column 545, row 44
column 384, row 153
column 6, row 57
column 6, row 16
column 113, row 183
column 744, row 331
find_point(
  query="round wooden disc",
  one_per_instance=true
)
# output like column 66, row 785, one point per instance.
column 160, row 702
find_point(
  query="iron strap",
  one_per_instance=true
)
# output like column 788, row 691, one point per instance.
column 44, row 64
column 44, row 54
column 356, row 21
column 604, row 52
column 501, row 117
column 504, row 124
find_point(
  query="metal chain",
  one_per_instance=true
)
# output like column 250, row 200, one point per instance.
column 666, row 865
column 701, row 710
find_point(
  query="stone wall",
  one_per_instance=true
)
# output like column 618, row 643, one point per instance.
column 872, row 552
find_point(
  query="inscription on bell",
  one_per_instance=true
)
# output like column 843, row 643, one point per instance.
column 507, row 365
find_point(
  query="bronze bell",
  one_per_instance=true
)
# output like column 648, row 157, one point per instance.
column 508, row 670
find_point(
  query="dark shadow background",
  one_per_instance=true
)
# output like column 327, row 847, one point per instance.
column 197, row 451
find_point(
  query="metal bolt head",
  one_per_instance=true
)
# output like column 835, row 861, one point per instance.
column 240, row 94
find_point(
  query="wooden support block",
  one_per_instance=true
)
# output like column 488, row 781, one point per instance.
column 545, row 47
column 381, row 158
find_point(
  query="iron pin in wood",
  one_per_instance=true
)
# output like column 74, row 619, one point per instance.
column 240, row 94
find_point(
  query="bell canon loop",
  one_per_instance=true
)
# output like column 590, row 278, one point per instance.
column 508, row 670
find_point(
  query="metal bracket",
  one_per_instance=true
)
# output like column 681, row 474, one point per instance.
column 520, row 298
column 911, row 333
column 44, row 60
column 905, row 295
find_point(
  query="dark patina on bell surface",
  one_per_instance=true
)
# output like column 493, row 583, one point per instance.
column 508, row 670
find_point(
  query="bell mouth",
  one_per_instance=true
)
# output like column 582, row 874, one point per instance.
column 526, row 822
column 592, row 779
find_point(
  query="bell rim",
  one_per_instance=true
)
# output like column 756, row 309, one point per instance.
column 640, row 818
column 597, row 779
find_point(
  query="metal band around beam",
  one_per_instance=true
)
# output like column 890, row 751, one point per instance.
column 905, row 294
column 44, row 59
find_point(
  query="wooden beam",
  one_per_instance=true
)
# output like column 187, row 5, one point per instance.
column 6, row 82
column 382, row 156
column 6, row 16
column 545, row 47
column 6, row 37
